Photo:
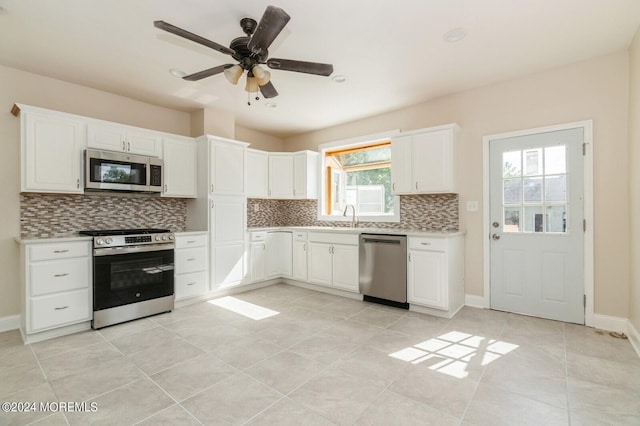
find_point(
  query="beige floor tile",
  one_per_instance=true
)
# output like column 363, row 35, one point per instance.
column 10, row 338
column 598, row 418
column 419, row 327
column 245, row 352
column 148, row 339
column 315, row 320
column 373, row 365
column 57, row 419
column 172, row 416
column 174, row 351
column 33, row 395
column 604, row 372
column 377, row 318
column 325, row 348
column 289, row 413
column 598, row 344
column 394, row 409
column 391, row 341
column 337, row 396
column 68, row 363
column 232, row 401
column 16, row 355
column 493, row 406
column 285, row 371
column 68, row 343
column 208, row 339
column 286, row 334
column 315, row 301
column 126, row 405
column 20, row 378
column 354, row 331
column 587, row 396
column 125, row 329
column 344, row 308
column 188, row 378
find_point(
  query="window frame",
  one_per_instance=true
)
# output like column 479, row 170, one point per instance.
column 322, row 178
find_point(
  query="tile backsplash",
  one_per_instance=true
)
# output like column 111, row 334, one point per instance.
column 433, row 212
column 52, row 215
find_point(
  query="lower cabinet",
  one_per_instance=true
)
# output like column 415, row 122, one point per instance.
column 270, row 255
column 299, row 266
column 56, row 288
column 191, row 256
column 435, row 273
column 333, row 260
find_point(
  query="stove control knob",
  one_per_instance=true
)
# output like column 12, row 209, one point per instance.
column 109, row 240
column 171, row 237
column 164, row 238
column 99, row 242
column 157, row 237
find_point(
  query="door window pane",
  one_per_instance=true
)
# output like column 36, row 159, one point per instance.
column 533, row 190
column 555, row 188
column 533, row 162
column 511, row 219
column 533, row 219
column 555, row 160
column 556, row 219
column 512, row 164
column 512, row 191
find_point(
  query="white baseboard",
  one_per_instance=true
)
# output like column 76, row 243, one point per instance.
column 12, row 322
column 474, row 301
column 608, row 323
column 634, row 337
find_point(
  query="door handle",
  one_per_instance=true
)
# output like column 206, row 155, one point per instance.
column 495, row 237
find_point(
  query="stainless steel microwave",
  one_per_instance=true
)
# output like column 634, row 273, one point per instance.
column 119, row 171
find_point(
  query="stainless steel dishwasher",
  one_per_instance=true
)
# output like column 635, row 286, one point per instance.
column 383, row 269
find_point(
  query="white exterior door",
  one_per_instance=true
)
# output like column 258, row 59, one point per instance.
column 536, row 215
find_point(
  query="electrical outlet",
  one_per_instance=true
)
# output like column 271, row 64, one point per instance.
column 472, row 206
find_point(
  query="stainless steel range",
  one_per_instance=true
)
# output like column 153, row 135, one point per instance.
column 132, row 274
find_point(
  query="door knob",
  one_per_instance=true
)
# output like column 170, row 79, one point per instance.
column 495, row 237
column 495, row 224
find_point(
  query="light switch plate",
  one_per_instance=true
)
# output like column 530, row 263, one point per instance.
column 472, row 206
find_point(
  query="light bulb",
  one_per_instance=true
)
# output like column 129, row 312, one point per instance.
column 232, row 74
column 262, row 76
column 252, row 85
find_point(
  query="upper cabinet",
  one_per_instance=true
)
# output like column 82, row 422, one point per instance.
column 257, row 176
column 52, row 145
column 424, row 161
column 226, row 166
column 293, row 175
column 180, row 170
column 117, row 137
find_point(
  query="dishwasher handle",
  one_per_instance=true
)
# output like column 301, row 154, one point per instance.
column 380, row 241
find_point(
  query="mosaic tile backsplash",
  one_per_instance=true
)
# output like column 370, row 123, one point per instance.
column 433, row 212
column 46, row 216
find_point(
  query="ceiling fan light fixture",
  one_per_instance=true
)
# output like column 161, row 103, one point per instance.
column 233, row 74
column 252, row 85
column 264, row 79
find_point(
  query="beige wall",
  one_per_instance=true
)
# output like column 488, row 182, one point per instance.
column 21, row 87
column 258, row 140
column 595, row 89
column 634, row 180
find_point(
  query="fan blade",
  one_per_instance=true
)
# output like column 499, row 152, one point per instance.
column 300, row 66
column 272, row 22
column 206, row 73
column 193, row 37
column 268, row 91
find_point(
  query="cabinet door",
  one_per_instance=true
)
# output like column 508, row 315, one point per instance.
column 144, row 143
column 228, row 265
column 227, row 168
column 102, row 136
column 257, row 261
column 427, row 279
column 274, row 261
column 228, row 219
column 320, row 264
column 257, row 174
column 52, row 153
column 280, row 176
column 401, row 164
column 190, row 285
column 180, row 174
column 300, row 176
column 432, row 162
column 345, row 267
column 300, row 260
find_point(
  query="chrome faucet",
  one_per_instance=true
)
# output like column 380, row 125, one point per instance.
column 354, row 220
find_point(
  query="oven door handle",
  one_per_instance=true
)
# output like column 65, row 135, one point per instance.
column 110, row 251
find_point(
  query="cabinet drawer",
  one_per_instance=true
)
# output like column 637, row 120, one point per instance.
column 190, row 285
column 188, row 241
column 435, row 244
column 259, row 236
column 300, row 236
column 191, row 260
column 59, row 309
column 59, row 275
column 53, row 251
column 323, row 237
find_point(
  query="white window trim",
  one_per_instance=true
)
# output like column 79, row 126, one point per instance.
column 392, row 218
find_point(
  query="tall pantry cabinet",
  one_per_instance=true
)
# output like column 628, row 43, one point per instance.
column 221, row 207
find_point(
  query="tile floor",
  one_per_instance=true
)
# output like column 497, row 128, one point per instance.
column 283, row 355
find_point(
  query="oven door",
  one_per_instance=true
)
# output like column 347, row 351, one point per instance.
column 129, row 275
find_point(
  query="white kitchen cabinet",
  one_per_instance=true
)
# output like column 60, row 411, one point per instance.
column 424, row 161
column 305, row 175
column 280, row 175
column 180, row 167
column 118, row 137
column 257, row 174
column 227, row 228
column 257, row 254
column 52, row 145
column 191, row 265
column 56, row 288
column 333, row 260
column 299, row 266
column 279, row 254
column 435, row 272
column 226, row 166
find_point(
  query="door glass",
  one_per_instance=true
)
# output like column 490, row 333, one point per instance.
column 534, row 185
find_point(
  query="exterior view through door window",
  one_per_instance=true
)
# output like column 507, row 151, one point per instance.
column 535, row 190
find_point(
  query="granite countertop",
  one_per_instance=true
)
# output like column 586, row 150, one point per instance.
column 348, row 230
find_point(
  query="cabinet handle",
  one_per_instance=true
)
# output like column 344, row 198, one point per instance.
column 129, row 146
column 416, row 185
column 78, row 183
column 124, row 146
column 191, row 241
column 61, row 275
column 425, row 244
column 60, row 308
column 304, row 247
column 393, row 186
column 211, row 187
column 60, row 251
column 409, row 257
column 165, row 187
column 191, row 259
column 269, row 192
column 264, row 247
column 191, row 283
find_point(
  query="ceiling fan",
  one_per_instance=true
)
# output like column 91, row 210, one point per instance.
column 251, row 51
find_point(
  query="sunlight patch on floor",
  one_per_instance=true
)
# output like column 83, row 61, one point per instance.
column 249, row 310
column 452, row 353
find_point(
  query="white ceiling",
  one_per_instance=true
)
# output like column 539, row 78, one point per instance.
column 392, row 52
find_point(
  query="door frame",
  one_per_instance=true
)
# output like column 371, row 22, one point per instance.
column 587, row 126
